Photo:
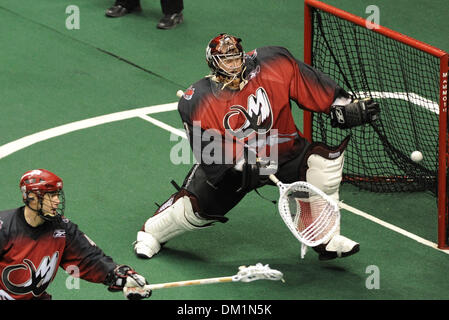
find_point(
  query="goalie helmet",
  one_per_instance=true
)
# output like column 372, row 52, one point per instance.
column 225, row 56
column 40, row 182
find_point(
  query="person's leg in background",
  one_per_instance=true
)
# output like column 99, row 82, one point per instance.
column 172, row 10
column 122, row 7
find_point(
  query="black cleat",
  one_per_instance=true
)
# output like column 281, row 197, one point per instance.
column 169, row 21
column 117, row 11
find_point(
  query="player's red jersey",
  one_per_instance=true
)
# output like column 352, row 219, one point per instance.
column 261, row 108
column 30, row 256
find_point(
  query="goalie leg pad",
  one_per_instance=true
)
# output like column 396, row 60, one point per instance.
column 146, row 245
column 173, row 220
column 325, row 172
column 324, row 169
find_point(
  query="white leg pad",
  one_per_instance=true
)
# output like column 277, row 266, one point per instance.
column 175, row 220
column 146, row 245
column 325, row 174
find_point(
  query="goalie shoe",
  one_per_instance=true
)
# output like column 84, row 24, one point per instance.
column 338, row 247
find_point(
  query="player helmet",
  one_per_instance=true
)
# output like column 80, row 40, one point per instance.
column 225, row 55
column 42, row 182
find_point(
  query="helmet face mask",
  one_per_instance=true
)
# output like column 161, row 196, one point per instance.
column 42, row 192
column 225, row 56
column 229, row 64
column 51, row 205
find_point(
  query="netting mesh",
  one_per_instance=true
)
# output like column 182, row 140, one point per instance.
column 308, row 214
column 405, row 82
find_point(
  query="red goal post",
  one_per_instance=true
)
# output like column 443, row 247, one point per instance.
column 312, row 9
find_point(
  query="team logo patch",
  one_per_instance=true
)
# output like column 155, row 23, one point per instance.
column 258, row 115
column 254, row 73
column 252, row 54
column 39, row 278
column 189, row 93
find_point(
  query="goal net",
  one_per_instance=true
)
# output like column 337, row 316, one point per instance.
column 408, row 79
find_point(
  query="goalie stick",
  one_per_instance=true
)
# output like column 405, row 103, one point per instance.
column 310, row 214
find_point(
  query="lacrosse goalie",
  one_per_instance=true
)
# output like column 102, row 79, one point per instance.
column 247, row 95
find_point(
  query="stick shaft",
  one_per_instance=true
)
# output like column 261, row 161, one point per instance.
column 273, row 178
column 187, row 283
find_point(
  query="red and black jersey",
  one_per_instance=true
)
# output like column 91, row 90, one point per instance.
column 220, row 122
column 30, row 256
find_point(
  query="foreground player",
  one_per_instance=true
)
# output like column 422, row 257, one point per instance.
column 244, row 105
column 36, row 239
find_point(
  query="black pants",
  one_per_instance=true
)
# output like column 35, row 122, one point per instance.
column 217, row 200
column 171, row 6
column 167, row 6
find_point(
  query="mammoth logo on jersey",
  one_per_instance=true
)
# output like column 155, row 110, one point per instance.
column 259, row 116
column 39, row 277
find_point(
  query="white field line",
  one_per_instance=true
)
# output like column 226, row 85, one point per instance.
column 391, row 227
column 142, row 113
column 27, row 141
column 164, row 126
column 412, row 97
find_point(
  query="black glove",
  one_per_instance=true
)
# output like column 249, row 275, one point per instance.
column 250, row 176
column 124, row 278
column 256, row 174
column 354, row 114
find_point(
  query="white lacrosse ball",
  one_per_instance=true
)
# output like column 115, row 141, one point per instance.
column 179, row 93
column 416, row 156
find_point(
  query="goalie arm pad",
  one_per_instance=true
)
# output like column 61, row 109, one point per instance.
column 354, row 114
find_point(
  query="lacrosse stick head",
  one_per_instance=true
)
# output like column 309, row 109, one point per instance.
column 310, row 214
column 257, row 272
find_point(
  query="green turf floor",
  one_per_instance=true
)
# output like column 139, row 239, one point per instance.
column 113, row 173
